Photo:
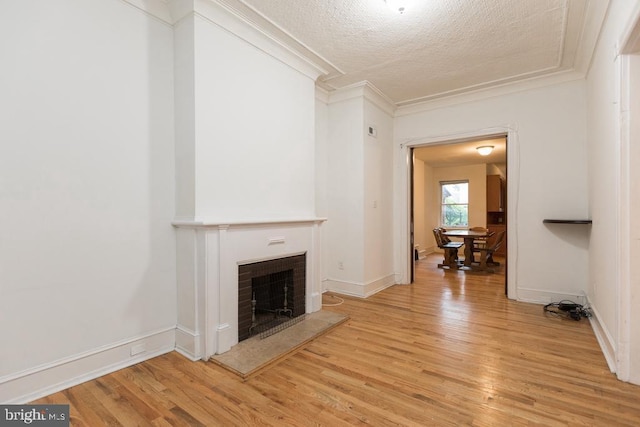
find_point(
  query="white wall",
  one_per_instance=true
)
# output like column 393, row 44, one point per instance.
column 87, row 252
column 345, row 196
column 321, row 167
column 547, row 126
column 185, row 128
column 610, row 265
column 359, row 187
column 477, row 177
column 254, row 131
column 378, row 198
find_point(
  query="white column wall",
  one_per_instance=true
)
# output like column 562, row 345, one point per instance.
column 246, row 157
column 322, row 153
column 344, row 228
column 185, row 136
column 610, row 263
column 359, row 249
column 378, row 199
column 254, row 130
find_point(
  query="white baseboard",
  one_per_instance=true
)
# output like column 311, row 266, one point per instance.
column 603, row 336
column 361, row 290
column 32, row 384
column 188, row 343
column 380, row 284
column 604, row 339
column 538, row 296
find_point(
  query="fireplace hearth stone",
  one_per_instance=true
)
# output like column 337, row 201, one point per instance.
column 252, row 355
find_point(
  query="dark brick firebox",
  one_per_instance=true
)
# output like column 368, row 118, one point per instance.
column 266, row 281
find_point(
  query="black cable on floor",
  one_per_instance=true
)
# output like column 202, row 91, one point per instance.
column 567, row 308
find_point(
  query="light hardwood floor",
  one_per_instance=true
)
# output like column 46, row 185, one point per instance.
column 449, row 350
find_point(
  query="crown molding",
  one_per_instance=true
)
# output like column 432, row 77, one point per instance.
column 240, row 20
column 466, row 95
column 365, row 90
column 629, row 42
column 231, row 16
column 594, row 17
column 322, row 94
column 155, row 8
column 178, row 9
column 270, row 28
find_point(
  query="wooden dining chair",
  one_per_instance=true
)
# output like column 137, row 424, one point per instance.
column 450, row 249
column 486, row 253
column 479, row 242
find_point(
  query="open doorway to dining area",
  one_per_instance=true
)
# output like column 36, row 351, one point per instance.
column 459, row 207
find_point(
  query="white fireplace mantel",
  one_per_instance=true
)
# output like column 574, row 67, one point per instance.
column 208, row 255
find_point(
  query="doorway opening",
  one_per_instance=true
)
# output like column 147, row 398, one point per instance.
column 483, row 204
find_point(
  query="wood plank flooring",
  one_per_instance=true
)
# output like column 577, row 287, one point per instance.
column 449, row 350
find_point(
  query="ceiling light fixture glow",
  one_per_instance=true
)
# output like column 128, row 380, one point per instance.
column 396, row 5
column 485, row 150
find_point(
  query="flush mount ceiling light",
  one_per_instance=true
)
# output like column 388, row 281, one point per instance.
column 396, row 5
column 485, row 150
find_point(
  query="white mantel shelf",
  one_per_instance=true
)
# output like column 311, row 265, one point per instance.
column 246, row 223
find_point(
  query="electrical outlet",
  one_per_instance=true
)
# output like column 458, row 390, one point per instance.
column 340, row 265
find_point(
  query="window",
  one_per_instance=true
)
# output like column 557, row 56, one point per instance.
column 455, row 203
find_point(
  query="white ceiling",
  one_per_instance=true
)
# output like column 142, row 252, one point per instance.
column 463, row 153
column 435, row 48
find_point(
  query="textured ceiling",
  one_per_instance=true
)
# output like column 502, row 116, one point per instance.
column 436, row 47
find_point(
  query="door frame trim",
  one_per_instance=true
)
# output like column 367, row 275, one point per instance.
column 404, row 204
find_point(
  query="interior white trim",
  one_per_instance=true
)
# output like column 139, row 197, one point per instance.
column 594, row 17
column 606, row 342
column 365, row 90
column 188, row 343
column 213, row 222
column 513, row 181
column 238, row 25
column 628, row 87
column 360, row 290
column 275, row 31
column 471, row 94
column 34, row 383
column 623, row 248
column 539, row 296
column 155, row 8
column 629, row 41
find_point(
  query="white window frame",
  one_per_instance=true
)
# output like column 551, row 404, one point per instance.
column 442, row 204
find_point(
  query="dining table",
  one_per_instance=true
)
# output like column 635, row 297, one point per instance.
column 469, row 236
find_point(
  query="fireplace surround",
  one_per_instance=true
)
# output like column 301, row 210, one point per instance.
column 209, row 258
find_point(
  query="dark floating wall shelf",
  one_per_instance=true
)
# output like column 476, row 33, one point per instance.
column 566, row 221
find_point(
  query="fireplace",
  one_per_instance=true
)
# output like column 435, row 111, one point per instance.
column 214, row 258
column 271, row 294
